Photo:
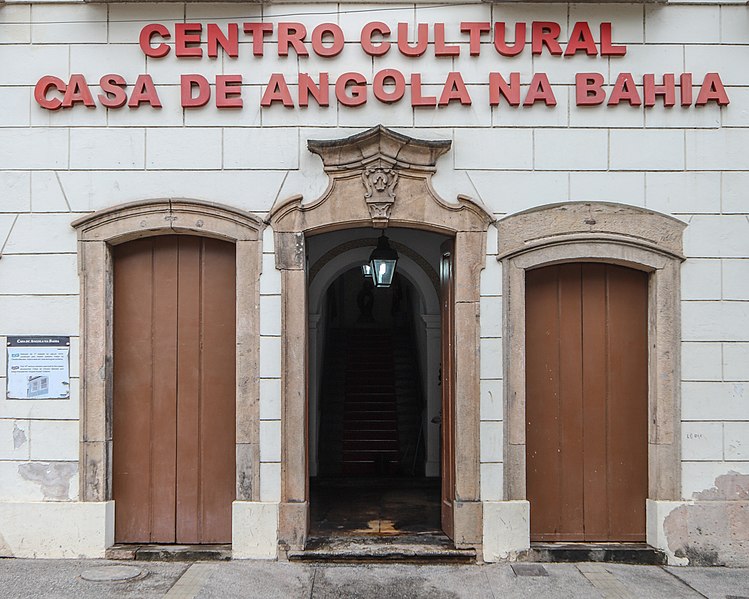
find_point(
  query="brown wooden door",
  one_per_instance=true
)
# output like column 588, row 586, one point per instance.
column 174, row 390
column 587, row 402
column 447, row 463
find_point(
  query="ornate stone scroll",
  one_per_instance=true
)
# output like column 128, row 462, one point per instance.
column 379, row 184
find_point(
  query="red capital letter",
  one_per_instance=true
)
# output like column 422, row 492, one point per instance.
column 358, row 94
column 258, row 31
column 499, row 88
column 114, row 95
column 144, row 91
column 291, row 34
column 43, row 86
column 366, row 38
column 147, row 33
column 229, row 43
column 589, row 89
column 544, row 33
column 277, row 91
column 399, row 83
column 187, row 83
column 77, row 91
column 712, row 90
column 187, row 39
column 319, row 32
column 474, row 31
column 229, row 91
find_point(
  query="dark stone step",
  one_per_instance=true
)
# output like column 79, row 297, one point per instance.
column 378, row 550
column 169, row 553
column 622, row 553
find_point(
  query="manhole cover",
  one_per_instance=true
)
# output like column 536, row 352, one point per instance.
column 112, row 573
column 529, row 570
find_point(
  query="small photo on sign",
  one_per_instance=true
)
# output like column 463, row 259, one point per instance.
column 38, row 367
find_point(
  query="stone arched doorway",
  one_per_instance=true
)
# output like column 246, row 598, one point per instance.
column 580, row 233
column 98, row 234
column 379, row 179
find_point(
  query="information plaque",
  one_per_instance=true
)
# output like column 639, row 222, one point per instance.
column 38, row 367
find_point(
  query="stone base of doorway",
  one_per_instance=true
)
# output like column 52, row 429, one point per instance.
column 169, row 553
column 409, row 549
column 621, row 553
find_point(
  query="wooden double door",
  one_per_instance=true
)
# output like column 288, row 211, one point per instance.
column 587, row 402
column 174, row 390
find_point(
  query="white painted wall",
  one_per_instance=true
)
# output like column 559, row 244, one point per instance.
column 687, row 162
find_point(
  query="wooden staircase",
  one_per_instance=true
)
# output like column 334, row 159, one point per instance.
column 370, row 413
column 370, row 404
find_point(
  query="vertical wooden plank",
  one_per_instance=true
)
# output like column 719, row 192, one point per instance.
column 188, row 389
column 447, row 296
column 543, row 476
column 164, row 389
column 627, row 415
column 131, row 412
column 570, row 448
column 595, row 383
column 217, row 409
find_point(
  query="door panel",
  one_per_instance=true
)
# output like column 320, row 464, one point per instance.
column 447, row 462
column 586, row 402
column 174, row 390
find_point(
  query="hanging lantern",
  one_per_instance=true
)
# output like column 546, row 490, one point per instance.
column 382, row 263
column 366, row 270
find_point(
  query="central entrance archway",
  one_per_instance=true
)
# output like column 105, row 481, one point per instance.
column 375, row 398
column 380, row 179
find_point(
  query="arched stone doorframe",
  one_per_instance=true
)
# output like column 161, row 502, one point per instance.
column 97, row 233
column 598, row 232
column 378, row 178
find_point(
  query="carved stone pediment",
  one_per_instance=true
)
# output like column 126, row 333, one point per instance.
column 379, row 178
column 379, row 144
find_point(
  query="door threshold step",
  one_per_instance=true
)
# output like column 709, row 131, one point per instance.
column 622, row 553
column 169, row 553
column 382, row 550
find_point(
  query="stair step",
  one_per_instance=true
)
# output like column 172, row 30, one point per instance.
column 369, row 425
column 374, row 435
column 390, row 455
column 369, row 408
column 364, row 417
column 417, row 550
column 378, row 445
column 623, row 553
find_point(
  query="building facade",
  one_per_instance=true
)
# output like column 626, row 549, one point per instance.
column 188, row 192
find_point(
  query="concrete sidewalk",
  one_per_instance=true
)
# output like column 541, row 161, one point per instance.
column 62, row 579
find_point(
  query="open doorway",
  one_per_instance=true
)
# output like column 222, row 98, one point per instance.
column 375, row 413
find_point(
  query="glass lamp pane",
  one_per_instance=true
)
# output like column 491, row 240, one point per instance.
column 384, row 270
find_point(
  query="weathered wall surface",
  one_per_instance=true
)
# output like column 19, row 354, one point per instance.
column 689, row 162
column 714, row 529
